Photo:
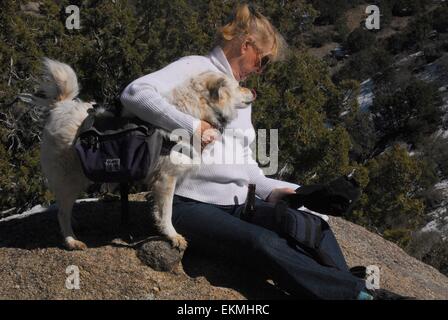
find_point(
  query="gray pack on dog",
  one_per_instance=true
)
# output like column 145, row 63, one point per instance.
column 117, row 149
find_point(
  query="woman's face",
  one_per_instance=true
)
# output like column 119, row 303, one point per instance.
column 249, row 61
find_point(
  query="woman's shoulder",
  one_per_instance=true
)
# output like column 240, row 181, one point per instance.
column 189, row 65
column 194, row 59
column 176, row 72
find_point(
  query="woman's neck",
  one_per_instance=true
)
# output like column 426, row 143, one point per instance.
column 229, row 52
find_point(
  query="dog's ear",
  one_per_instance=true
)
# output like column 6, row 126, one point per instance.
column 214, row 87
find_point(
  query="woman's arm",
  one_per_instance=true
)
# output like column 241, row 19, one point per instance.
column 144, row 101
column 146, row 96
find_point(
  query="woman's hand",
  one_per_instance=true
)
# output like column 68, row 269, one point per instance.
column 207, row 133
column 278, row 193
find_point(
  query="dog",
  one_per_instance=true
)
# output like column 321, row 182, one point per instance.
column 210, row 96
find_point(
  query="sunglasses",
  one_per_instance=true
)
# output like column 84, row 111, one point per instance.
column 265, row 60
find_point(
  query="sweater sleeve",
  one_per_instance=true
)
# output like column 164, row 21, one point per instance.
column 145, row 97
column 264, row 185
column 145, row 102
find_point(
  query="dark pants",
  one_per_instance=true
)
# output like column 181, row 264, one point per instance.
column 218, row 229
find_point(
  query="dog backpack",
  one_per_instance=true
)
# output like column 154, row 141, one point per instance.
column 116, row 149
column 119, row 150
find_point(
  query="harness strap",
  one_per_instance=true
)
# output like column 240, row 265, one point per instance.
column 167, row 145
column 307, row 236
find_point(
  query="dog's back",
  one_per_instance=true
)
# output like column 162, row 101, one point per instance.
column 57, row 92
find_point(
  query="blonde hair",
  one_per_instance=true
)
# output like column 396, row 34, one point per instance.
column 247, row 21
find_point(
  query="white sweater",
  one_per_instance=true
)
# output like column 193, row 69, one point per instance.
column 223, row 184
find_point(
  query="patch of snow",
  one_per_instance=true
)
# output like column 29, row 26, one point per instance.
column 406, row 59
column 366, row 96
column 441, row 133
column 7, row 211
column 442, row 185
column 40, row 209
column 439, row 215
column 436, row 72
column 430, row 73
column 439, row 225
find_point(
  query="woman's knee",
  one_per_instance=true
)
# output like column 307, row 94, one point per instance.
column 264, row 240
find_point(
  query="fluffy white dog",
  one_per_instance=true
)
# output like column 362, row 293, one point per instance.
column 211, row 96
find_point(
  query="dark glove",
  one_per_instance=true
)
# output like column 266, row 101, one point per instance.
column 335, row 198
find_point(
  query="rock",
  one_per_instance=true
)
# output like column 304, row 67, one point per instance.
column 399, row 272
column 33, row 262
column 31, row 8
column 159, row 255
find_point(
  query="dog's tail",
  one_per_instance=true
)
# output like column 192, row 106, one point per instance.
column 58, row 83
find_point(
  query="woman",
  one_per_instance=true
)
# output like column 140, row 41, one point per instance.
column 208, row 203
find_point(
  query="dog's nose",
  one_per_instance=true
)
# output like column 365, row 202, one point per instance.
column 254, row 93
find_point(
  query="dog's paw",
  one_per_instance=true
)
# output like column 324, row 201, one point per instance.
column 72, row 244
column 179, row 242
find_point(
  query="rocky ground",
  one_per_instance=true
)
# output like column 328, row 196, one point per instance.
column 33, row 264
